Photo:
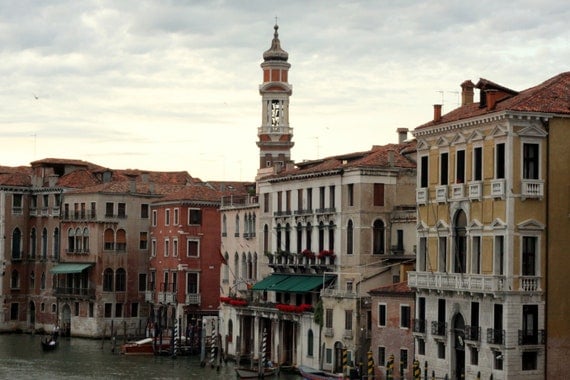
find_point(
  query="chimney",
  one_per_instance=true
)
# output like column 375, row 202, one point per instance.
column 391, row 157
column 467, row 92
column 491, row 99
column 436, row 112
column 402, row 135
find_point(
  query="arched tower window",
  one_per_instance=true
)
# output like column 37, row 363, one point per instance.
column 378, row 237
column 108, row 280
column 16, row 244
column 44, row 243
column 349, row 238
column 459, row 238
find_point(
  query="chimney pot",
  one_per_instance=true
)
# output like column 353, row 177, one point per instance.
column 436, row 112
column 491, row 99
column 467, row 92
column 402, row 135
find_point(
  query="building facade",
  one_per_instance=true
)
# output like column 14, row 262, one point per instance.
column 484, row 253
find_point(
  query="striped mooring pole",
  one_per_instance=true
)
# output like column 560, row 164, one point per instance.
column 344, row 360
column 263, row 348
column 175, row 338
column 213, row 344
column 417, row 370
column 390, row 368
column 370, row 365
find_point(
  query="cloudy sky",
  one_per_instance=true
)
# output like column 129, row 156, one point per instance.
column 173, row 85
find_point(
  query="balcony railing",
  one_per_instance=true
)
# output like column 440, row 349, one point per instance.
column 325, row 210
column 533, row 337
column 167, row 297
column 458, row 281
column 75, row 292
column 282, row 213
column 306, row 211
column 193, row 298
column 419, row 326
column 495, row 336
column 529, row 283
column 149, row 296
column 473, row 333
column 532, row 188
column 439, row 328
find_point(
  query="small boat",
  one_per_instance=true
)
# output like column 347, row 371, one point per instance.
column 145, row 346
column 49, row 344
column 253, row 373
column 315, row 374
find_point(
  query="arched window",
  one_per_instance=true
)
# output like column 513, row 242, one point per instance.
column 299, row 238
column 56, row 243
column 15, row 280
column 288, row 237
column 120, row 280
column 224, row 225
column 265, row 238
column 349, row 238
column 254, row 269
column 459, row 237
column 237, row 225
column 278, row 237
column 121, row 241
column 108, row 280
column 243, row 270
column 310, row 342
column 226, row 268
column 249, row 266
column 331, row 236
column 44, row 243
column 78, row 240
column 71, row 240
column 236, row 267
column 321, row 236
column 253, row 226
column 309, row 240
column 86, row 240
column 33, row 243
column 378, row 237
column 109, row 239
column 32, row 280
column 16, row 244
column 43, row 281
column 230, row 330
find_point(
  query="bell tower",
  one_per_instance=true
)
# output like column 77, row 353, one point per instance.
column 275, row 135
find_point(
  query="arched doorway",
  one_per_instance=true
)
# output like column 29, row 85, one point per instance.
column 337, row 365
column 32, row 315
column 65, row 323
column 459, row 346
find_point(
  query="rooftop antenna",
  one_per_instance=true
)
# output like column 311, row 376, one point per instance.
column 441, row 92
column 457, row 93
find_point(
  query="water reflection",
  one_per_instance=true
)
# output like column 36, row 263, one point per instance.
column 21, row 357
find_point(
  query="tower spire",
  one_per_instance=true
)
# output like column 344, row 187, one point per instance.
column 275, row 134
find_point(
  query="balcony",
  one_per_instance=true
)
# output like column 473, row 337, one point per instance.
column 531, row 337
column 282, row 213
column 307, row 211
column 347, row 334
column 167, row 297
column 325, row 210
column 498, row 188
column 475, row 191
column 439, row 329
column 457, row 191
column 193, row 298
column 496, row 336
column 457, row 282
column 419, row 326
column 329, row 332
column 441, row 194
column 532, row 189
column 529, row 283
column 422, row 196
column 473, row 333
column 83, row 293
column 149, row 296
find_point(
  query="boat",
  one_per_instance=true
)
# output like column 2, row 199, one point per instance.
column 254, row 373
column 315, row 374
column 145, row 346
column 49, row 344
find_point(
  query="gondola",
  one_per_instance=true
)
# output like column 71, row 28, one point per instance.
column 313, row 374
column 252, row 373
column 49, row 344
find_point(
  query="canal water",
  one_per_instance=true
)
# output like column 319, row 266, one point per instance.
column 21, row 357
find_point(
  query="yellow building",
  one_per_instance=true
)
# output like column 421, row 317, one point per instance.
column 493, row 223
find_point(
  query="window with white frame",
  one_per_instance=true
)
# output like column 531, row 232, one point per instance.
column 154, row 217
column 530, row 161
column 195, row 216
column 167, row 217
column 405, row 316
column 193, row 248
column 476, row 255
column 477, row 163
column 166, row 247
column 176, row 220
column 382, row 310
column 153, row 247
column 175, row 247
column 529, row 255
column 348, row 320
column 442, row 259
column 499, row 259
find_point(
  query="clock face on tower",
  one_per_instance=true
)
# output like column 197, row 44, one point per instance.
column 275, row 113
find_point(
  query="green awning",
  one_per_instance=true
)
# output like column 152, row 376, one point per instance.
column 70, row 268
column 291, row 283
column 269, row 282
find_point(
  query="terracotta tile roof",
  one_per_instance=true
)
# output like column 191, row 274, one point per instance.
column 65, row 161
column 78, row 179
column 551, row 96
column 203, row 193
column 397, row 288
column 377, row 156
column 15, row 179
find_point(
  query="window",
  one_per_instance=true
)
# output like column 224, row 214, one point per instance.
column 14, row 311
column 192, row 283
column 499, row 255
column 175, row 247
column 15, row 280
column 176, row 217
column 76, row 309
column 382, row 314
column 529, row 325
column 405, row 316
column 193, row 248
column 403, row 358
column 109, row 208
column 153, row 247
column 460, row 167
column 529, row 360
column 122, row 210
column 476, row 255
column 348, row 320
column 529, row 256
column 500, row 161
column 332, row 197
column 442, row 262
column 266, row 202
column 349, row 238
column 144, row 211
column 299, row 199
column 498, row 360
column 329, row 318
column 195, row 217
column 224, row 225
column 328, row 355
column 310, row 343
column 120, row 280
column 382, row 356
column 530, row 161
column 422, row 257
column 459, row 246
column 166, row 248
column 17, row 203
column 121, row 240
column 378, row 237
column 440, row 350
column 378, row 194
column 288, row 200
column 108, row 280
column 154, row 217
column 135, row 309
column 322, row 197
column 91, row 309
column 477, row 163
column 108, row 310
column 444, row 168
column 167, row 217
column 350, row 194
column 236, row 234
column 143, row 240
column 424, row 171
column 142, row 282
column 421, row 347
column 474, row 355
column 310, row 199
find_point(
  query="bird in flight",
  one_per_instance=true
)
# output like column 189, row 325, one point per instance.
column 35, row 96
